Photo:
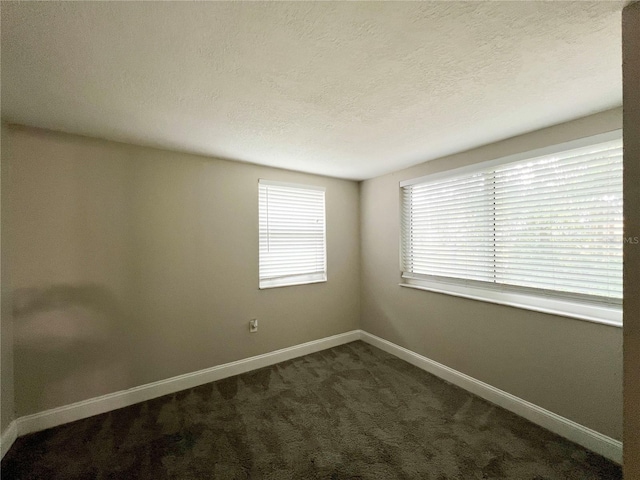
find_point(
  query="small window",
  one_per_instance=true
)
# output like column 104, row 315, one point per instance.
column 542, row 230
column 292, row 234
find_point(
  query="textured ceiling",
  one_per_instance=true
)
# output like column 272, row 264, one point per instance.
column 350, row 90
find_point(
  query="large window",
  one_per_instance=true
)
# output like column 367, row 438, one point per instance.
column 541, row 230
column 292, row 234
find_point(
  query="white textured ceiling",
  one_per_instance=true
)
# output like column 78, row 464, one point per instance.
column 350, row 90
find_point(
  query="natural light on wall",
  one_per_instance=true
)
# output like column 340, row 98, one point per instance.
column 542, row 230
column 292, row 234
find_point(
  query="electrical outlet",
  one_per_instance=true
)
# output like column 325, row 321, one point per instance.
column 253, row 325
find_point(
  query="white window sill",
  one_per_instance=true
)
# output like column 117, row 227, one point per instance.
column 556, row 306
column 289, row 281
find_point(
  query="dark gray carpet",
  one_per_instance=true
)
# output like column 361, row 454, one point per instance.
column 352, row 412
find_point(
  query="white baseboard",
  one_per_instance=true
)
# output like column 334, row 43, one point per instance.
column 8, row 437
column 112, row 401
column 588, row 438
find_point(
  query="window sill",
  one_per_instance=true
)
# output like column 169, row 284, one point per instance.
column 611, row 316
column 290, row 282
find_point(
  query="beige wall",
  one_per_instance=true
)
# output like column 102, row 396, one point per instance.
column 571, row 367
column 6, row 324
column 131, row 265
column 631, row 82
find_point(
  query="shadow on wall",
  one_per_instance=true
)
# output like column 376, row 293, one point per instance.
column 69, row 340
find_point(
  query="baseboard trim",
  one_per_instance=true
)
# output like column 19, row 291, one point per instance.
column 113, row 401
column 9, row 436
column 588, row 438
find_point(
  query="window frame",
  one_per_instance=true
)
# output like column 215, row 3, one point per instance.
column 545, row 301
column 293, row 279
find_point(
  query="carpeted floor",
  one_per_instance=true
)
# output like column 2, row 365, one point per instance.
column 352, row 412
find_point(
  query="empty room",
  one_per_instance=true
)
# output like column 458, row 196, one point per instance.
column 320, row 240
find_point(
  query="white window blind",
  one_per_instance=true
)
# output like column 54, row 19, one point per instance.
column 548, row 225
column 292, row 234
